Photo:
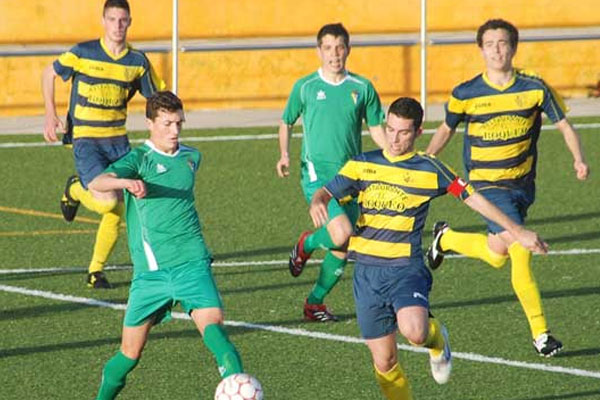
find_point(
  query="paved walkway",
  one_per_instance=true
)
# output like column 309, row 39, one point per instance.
column 257, row 117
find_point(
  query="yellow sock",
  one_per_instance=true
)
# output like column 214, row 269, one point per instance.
column 107, row 235
column 526, row 289
column 86, row 198
column 435, row 340
column 472, row 245
column 394, row 384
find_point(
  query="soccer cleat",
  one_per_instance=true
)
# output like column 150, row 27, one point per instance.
column 68, row 206
column 434, row 254
column 97, row 280
column 318, row 313
column 441, row 366
column 298, row 257
column 547, row 345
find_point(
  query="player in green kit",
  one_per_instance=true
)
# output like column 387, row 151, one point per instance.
column 333, row 103
column 171, row 261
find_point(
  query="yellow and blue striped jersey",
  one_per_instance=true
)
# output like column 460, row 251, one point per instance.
column 502, row 127
column 103, row 83
column 393, row 194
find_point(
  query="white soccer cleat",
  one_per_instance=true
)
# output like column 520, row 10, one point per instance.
column 441, row 366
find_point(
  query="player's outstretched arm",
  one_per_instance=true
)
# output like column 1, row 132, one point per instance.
column 318, row 207
column 109, row 182
column 283, row 165
column 529, row 239
column 573, row 142
column 51, row 120
column 439, row 140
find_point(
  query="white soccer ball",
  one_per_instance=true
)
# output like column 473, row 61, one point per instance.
column 239, row 387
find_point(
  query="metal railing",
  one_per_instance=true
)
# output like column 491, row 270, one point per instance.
column 295, row 43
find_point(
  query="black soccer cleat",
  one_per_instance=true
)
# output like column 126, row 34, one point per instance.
column 97, row 280
column 318, row 313
column 547, row 345
column 68, row 206
column 434, row 254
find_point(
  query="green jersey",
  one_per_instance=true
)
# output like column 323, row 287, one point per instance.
column 332, row 116
column 163, row 228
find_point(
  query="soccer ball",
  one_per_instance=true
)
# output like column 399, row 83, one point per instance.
column 239, row 387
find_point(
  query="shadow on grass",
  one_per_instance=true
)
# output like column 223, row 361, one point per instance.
column 592, row 394
column 154, row 336
column 582, row 291
column 536, row 221
column 38, row 311
column 579, row 353
column 251, row 253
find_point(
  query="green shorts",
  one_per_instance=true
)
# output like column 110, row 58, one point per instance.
column 334, row 208
column 154, row 293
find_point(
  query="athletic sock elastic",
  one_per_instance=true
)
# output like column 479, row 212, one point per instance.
column 393, row 383
column 329, row 274
column 474, row 245
column 226, row 355
column 114, row 375
column 526, row 288
column 319, row 239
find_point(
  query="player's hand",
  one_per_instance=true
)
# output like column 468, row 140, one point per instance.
column 582, row 170
column 531, row 241
column 283, row 166
column 50, row 124
column 136, row 187
column 318, row 213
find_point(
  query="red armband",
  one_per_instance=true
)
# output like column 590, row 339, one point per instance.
column 457, row 187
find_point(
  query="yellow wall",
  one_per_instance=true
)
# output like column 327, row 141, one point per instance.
column 43, row 21
column 264, row 78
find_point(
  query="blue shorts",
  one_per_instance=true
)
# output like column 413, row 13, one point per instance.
column 92, row 155
column 379, row 292
column 514, row 203
column 153, row 294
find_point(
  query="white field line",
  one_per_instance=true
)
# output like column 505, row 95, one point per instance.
column 314, row 335
column 263, row 136
column 569, row 252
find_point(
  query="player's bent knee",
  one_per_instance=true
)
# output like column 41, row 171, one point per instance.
column 416, row 336
column 106, row 205
column 340, row 230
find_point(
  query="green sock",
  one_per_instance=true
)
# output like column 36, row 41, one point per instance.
column 330, row 273
column 114, row 374
column 319, row 239
column 228, row 359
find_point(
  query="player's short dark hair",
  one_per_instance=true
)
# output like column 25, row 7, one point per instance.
column 335, row 30
column 165, row 101
column 116, row 4
column 407, row 108
column 491, row 24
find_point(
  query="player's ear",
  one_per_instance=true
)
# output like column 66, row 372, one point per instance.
column 419, row 132
column 149, row 123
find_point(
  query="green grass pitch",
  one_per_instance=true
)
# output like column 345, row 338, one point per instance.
column 53, row 346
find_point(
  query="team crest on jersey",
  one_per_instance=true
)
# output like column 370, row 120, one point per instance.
column 354, row 95
column 519, row 101
column 160, row 169
column 321, row 95
column 192, row 165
